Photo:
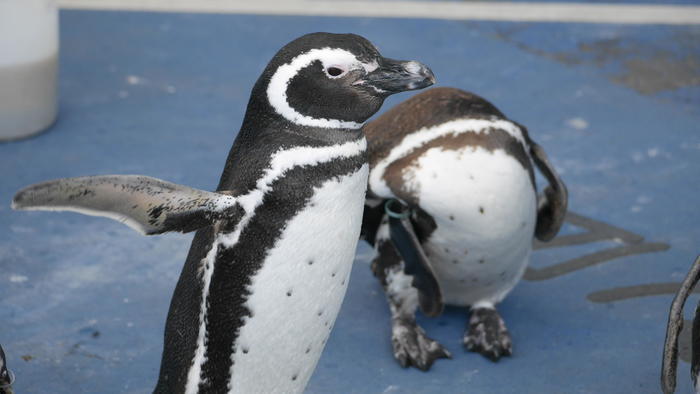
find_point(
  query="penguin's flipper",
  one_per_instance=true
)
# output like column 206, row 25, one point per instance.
column 552, row 205
column 371, row 219
column 416, row 263
column 148, row 205
column 669, row 361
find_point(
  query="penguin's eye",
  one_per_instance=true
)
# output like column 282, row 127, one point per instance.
column 335, row 71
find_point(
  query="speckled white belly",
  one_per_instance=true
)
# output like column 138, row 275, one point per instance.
column 299, row 291
column 484, row 206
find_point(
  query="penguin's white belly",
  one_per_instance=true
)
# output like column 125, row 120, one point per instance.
column 296, row 295
column 484, row 206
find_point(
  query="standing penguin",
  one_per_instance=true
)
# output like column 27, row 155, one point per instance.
column 269, row 264
column 452, row 209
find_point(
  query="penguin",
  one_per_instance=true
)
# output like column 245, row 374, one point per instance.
column 270, row 261
column 451, row 210
column 6, row 376
column 674, row 326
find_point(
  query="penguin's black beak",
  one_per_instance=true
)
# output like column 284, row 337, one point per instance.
column 394, row 76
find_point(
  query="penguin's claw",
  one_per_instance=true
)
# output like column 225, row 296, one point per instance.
column 487, row 334
column 412, row 347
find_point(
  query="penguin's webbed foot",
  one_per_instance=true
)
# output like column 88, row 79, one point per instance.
column 487, row 334
column 412, row 347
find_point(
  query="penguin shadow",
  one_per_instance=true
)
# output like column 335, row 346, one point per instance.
column 627, row 244
column 682, row 336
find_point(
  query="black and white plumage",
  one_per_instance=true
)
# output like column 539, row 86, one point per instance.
column 6, row 376
column 466, row 173
column 269, row 264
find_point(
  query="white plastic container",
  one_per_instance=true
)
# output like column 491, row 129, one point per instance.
column 28, row 67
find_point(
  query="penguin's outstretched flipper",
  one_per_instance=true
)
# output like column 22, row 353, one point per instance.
column 669, row 361
column 552, row 205
column 148, row 205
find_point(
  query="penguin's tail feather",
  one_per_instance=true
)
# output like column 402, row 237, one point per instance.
column 148, row 205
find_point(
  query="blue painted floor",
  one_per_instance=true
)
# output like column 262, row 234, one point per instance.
column 83, row 300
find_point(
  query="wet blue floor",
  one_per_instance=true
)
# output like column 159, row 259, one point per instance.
column 83, row 300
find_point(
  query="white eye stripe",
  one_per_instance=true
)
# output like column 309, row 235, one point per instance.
column 329, row 57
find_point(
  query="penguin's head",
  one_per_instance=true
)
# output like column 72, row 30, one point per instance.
column 335, row 80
